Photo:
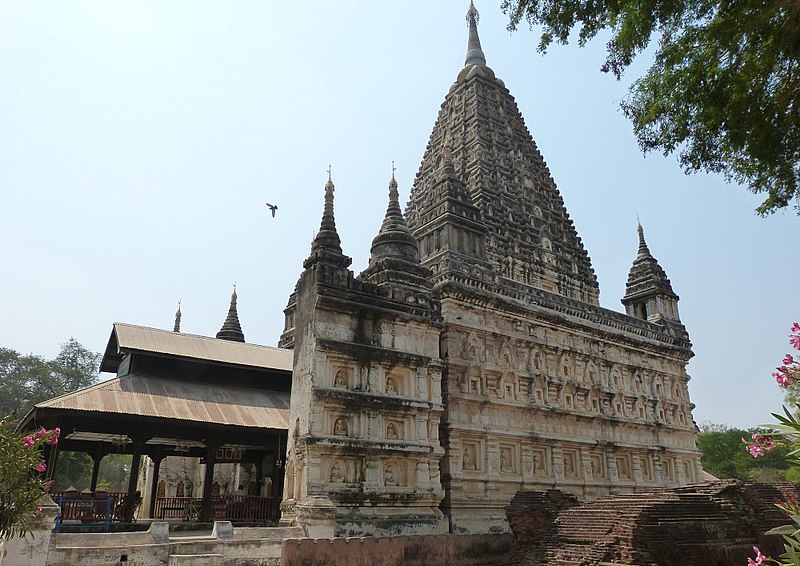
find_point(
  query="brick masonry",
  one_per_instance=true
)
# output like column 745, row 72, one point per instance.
column 713, row 524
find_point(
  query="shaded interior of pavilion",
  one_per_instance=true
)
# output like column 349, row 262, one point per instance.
column 204, row 402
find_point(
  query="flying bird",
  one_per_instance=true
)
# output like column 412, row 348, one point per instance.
column 273, row 208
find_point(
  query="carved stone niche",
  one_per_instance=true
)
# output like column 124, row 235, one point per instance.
column 342, row 377
column 394, row 474
column 397, row 382
column 340, row 426
column 624, row 467
column 507, row 387
column 571, row 459
column 393, row 430
column 597, row 463
column 471, row 456
column 509, row 459
column 470, row 381
column 647, row 467
column 541, row 461
column 340, row 470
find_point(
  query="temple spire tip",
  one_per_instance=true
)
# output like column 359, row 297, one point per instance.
column 177, row 326
column 475, row 54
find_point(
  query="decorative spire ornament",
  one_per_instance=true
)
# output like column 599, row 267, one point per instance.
column 177, row 327
column 475, row 54
column 326, row 244
column 643, row 249
column 231, row 328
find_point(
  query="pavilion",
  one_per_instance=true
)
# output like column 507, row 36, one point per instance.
column 179, row 395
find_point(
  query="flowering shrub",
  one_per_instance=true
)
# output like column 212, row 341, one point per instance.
column 787, row 433
column 21, row 481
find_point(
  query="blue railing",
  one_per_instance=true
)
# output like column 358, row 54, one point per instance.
column 83, row 514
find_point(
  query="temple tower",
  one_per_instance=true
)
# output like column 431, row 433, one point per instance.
column 366, row 393
column 471, row 358
column 542, row 387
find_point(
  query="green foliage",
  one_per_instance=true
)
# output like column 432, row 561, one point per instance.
column 21, row 481
column 29, row 379
column 74, row 469
column 723, row 91
column 114, row 469
column 724, row 456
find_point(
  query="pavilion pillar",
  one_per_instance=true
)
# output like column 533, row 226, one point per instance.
column 208, row 479
column 97, row 457
column 156, row 458
column 131, row 499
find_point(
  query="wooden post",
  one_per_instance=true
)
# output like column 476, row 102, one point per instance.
column 208, row 479
column 97, row 457
column 130, row 499
column 156, row 458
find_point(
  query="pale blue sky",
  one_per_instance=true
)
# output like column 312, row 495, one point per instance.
column 140, row 140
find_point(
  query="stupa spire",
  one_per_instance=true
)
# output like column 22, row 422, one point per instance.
column 643, row 249
column 475, row 54
column 394, row 238
column 177, row 327
column 231, row 328
column 326, row 243
column 393, row 213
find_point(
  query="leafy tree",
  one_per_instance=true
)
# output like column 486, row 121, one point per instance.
column 723, row 90
column 74, row 469
column 29, row 379
column 724, row 456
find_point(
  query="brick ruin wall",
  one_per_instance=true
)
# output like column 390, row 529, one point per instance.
column 714, row 524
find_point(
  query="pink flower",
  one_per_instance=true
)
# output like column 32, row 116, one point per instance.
column 28, row 441
column 41, row 467
column 54, row 435
column 794, row 340
column 39, row 509
column 759, row 558
column 41, row 432
column 783, row 379
column 795, row 327
column 755, row 451
column 787, row 360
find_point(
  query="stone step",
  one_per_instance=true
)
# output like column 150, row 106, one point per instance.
column 210, row 559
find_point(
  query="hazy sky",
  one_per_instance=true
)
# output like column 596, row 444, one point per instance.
column 140, row 140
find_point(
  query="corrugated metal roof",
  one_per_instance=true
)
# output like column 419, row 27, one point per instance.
column 131, row 337
column 139, row 395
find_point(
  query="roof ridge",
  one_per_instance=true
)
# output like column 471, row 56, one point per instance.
column 190, row 335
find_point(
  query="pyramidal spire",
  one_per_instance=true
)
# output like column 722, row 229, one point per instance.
column 648, row 292
column 643, row 249
column 326, row 244
column 394, row 216
column 394, row 238
column 231, row 329
column 475, row 54
column 177, row 327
